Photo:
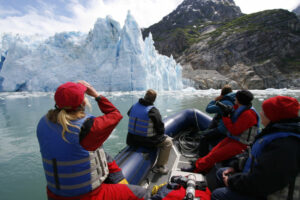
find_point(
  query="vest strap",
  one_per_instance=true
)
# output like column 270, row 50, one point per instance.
column 67, row 163
column 77, row 186
column 135, row 125
column 54, row 162
column 137, row 119
column 102, row 164
column 138, row 131
column 71, row 175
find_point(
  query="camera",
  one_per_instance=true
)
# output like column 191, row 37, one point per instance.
column 190, row 184
column 226, row 109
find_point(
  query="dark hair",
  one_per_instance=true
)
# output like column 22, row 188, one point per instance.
column 150, row 96
column 244, row 97
column 226, row 89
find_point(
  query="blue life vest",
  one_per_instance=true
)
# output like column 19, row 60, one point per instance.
column 70, row 169
column 292, row 190
column 139, row 121
column 248, row 136
column 260, row 144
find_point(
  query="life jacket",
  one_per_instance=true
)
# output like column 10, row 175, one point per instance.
column 252, row 160
column 139, row 121
column 70, row 169
column 247, row 136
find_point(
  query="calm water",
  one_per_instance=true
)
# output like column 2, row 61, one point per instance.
column 21, row 172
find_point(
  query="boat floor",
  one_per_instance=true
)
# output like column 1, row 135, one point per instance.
column 177, row 161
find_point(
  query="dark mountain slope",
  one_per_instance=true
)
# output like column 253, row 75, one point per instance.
column 255, row 51
column 180, row 29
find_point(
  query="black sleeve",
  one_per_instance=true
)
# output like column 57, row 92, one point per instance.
column 128, row 113
column 85, row 128
column 155, row 116
column 277, row 165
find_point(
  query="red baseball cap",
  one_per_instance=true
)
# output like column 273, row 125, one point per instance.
column 280, row 107
column 69, row 95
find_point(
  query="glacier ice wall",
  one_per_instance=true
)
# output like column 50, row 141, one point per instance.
column 109, row 57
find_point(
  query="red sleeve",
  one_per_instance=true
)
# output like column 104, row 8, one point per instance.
column 113, row 167
column 102, row 126
column 246, row 120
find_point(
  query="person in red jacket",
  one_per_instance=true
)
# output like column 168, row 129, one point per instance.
column 75, row 164
column 242, row 126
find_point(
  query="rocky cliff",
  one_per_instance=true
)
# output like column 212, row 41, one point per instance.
column 217, row 44
column 256, row 51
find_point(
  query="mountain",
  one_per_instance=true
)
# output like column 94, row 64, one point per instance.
column 216, row 44
column 177, row 31
column 297, row 11
column 109, row 57
column 255, row 51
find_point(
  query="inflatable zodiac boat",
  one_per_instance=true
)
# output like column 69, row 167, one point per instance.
column 137, row 163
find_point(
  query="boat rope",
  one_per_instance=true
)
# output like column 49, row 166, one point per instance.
column 189, row 144
column 157, row 187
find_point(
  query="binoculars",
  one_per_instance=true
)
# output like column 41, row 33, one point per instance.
column 226, row 109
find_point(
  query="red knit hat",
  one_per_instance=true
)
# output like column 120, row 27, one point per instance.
column 69, row 95
column 280, row 107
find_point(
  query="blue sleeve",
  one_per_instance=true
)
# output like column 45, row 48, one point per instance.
column 213, row 108
column 227, row 102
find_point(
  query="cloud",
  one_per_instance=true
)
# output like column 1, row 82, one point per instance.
column 34, row 23
column 43, row 20
column 146, row 12
column 259, row 5
column 8, row 12
column 48, row 17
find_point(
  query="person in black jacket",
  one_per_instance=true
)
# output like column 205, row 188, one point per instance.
column 146, row 128
column 272, row 171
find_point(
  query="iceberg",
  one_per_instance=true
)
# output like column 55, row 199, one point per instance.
column 111, row 58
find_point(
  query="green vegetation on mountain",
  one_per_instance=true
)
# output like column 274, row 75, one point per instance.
column 257, row 50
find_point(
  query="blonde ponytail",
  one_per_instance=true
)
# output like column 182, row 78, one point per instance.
column 64, row 118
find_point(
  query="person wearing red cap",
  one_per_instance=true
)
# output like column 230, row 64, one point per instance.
column 272, row 170
column 75, row 164
column 242, row 125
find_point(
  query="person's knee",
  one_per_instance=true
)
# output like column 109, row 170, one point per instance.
column 168, row 142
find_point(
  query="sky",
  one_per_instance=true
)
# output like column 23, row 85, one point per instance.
column 46, row 17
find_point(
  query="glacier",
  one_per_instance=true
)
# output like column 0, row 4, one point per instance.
column 111, row 58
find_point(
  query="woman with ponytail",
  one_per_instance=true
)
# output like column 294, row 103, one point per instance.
column 75, row 164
